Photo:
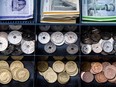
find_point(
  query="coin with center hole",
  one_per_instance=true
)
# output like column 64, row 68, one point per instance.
column 44, row 37
column 72, row 49
column 97, row 48
column 86, row 48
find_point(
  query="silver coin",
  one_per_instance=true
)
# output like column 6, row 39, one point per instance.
column 15, row 37
column 97, row 48
column 107, row 46
column 57, row 38
column 44, row 27
column 57, row 27
column 72, row 49
column 3, row 43
column 44, row 37
column 15, row 27
column 70, row 28
column 86, row 48
column 70, row 37
column 50, row 47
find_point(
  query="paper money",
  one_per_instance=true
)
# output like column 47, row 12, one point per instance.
column 16, row 9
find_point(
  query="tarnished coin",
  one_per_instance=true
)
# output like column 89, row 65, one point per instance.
column 86, row 48
column 4, row 57
column 70, row 28
column 42, row 66
column 28, row 47
column 105, row 64
column 22, row 74
column 4, row 64
column 57, row 38
column 3, row 27
column 71, row 58
column 57, row 27
column 5, row 76
column 97, row 48
column 50, row 76
column 95, row 37
column 97, row 67
column 44, row 37
column 9, row 50
column 58, row 57
column 43, row 58
column 106, row 35
column 17, row 57
column 63, row 78
column 86, row 66
column 15, row 37
column 16, row 64
column 110, row 72
column 50, row 48
column 72, row 49
column 3, row 43
column 87, row 77
column 44, row 27
column 107, row 47
column 71, row 68
column 100, row 77
column 58, row 66
column 70, row 37
column 15, row 27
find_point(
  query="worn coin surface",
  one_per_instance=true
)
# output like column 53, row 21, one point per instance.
column 105, row 64
column 72, row 49
column 86, row 48
column 97, row 48
column 42, row 66
column 4, row 64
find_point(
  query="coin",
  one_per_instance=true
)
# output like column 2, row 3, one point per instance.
column 87, row 77
column 43, row 58
column 44, row 27
column 58, row 57
column 110, row 72
column 86, row 66
column 15, row 27
column 22, row 74
column 4, row 64
column 86, row 48
column 42, row 66
column 100, row 77
column 58, row 66
column 114, row 64
column 106, row 35
column 4, row 35
column 107, row 47
column 95, row 37
column 50, row 76
column 17, row 57
column 71, row 68
column 28, row 47
column 97, row 67
column 5, row 76
column 16, row 64
column 3, row 27
column 70, row 38
column 44, row 37
column 4, row 57
column 3, row 43
column 112, row 80
column 57, row 27
column 114, row 45
column 95, row 30
column 63, row 78
column 71, row 58
column 97, row 48
column 70, row 28
column 105, row 64
column 50, row 48
column 72, row 49
column 17, row 51
column 57, row 38
column 15, row 37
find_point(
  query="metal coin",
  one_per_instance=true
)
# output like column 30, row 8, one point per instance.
column 3, row 27
column 72, row 49
column 44, row 27
column 95, row 37
column 15, row 27
column 50, row 48
column 86, row 48
column 97, row 48
column 106, row 35
column 17, row 51
column 42, row 66
column 57, row 27
column 70, row 37
column 44, row 37
column 114, row 45
column 3, row 44
column 70, row 28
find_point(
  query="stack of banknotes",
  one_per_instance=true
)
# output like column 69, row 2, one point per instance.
column 59, row 11
column 16, row 9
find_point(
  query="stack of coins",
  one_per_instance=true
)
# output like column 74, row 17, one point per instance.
column 58, row 39
column 16, row 42
column 101, row 72
column 16, row 71
column 59, row 71
column 45, row 28
column 98, row 41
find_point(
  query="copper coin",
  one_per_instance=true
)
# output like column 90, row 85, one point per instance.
column 112, row 80
column 105, row 64
column 97, row 67
column 100, row 77
column 110, row 72
column 87, row 77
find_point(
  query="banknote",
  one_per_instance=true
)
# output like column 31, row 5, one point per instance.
column 16, row 9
